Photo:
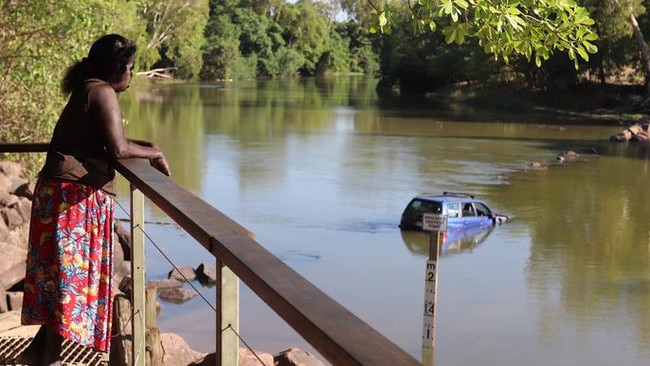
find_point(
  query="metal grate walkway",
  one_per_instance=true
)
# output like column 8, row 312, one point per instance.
column 73, row 354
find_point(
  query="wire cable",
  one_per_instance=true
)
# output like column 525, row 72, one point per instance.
column 188, row 282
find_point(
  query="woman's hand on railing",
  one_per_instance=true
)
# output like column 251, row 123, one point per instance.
column 161, row 164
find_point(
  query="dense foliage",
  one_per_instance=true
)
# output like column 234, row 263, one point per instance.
column 413, row 46
column 248, row 39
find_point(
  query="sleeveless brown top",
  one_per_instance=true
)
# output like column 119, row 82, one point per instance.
column 77, row 150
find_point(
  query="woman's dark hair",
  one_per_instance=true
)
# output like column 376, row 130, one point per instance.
column 107, row 57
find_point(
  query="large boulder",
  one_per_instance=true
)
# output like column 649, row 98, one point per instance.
column 182, row 274
column 207, row 274
column 178, row 352
column 12, row 265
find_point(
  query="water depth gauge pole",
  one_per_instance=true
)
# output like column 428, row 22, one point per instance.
column 436, row 225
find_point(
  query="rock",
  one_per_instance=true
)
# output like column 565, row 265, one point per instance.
column 182, row 274
column 120, row 273
column 295, row 357
column 640, row 137
column 165, row 284
column 25, row 208
column 119, row 268
column 11, row 168
column 11, row 217
column 125, row 286
column 590, row 150
column 621, row 137
column 246, row 358
column 12, row 265
column 17, row 182
column 123, row 239
column 568, row 155
column 176, row 295
column 25, row 190
column 178, row 352
column 4, row 305
column 8, row 200
column 209, row 359
column 635, row 129
column 18, row 237
column 207, row 274
column 5, row 183
column 5, row 233
column 15, row 300
column 536, row 165
column 637, row 132
column 9, row 320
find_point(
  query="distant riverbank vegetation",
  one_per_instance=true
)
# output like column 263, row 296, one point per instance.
column 413, row 47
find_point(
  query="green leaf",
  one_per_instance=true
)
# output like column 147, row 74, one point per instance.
column 462, row 4
column 583, row 53
column 449, row 7
column 383, row 20
column 451, row 36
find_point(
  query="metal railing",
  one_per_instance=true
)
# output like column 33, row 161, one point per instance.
column 337, row 334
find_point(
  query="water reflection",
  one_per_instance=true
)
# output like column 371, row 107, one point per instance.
column 455, row 242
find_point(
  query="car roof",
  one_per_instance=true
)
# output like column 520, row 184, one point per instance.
column 448, row 197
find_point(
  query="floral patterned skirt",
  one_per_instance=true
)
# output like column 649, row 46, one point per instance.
column 68, row 282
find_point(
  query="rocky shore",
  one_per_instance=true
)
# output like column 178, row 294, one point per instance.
column 16, row 194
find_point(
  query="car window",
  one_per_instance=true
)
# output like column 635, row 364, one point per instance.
column 468, row 209
column 481, row 209
column 453, row 209
column 421, row 206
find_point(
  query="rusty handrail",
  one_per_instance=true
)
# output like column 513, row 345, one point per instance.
column 340, row 336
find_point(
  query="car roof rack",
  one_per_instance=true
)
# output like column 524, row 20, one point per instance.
column 458, row 194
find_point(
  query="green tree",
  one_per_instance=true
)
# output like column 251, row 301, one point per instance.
column 616, row 48
column 631, row 9
column 306, row 31
column 257, row 39
column 40, row 39
column 360, row 12
column 282, row 38
column 503, row 28
column 418, row 63
column 363, row 47
column 175, row 34
column 221, row 50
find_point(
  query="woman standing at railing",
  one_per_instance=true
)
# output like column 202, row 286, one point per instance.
column 68, row 284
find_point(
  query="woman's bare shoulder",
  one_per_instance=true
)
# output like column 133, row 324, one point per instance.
column 101, row 92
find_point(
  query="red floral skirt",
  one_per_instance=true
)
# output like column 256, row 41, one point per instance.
column 68, row 282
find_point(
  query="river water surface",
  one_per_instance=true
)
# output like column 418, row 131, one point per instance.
column 320, row 171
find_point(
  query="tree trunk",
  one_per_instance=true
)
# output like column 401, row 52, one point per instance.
column 645, row 53
column 643, row 47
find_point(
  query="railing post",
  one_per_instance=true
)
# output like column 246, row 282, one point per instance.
column 137, row 278
column 227, row 316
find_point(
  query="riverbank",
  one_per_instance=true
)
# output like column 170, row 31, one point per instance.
column 588, row 103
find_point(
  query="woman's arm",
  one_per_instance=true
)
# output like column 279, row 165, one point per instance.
column 103, row 102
